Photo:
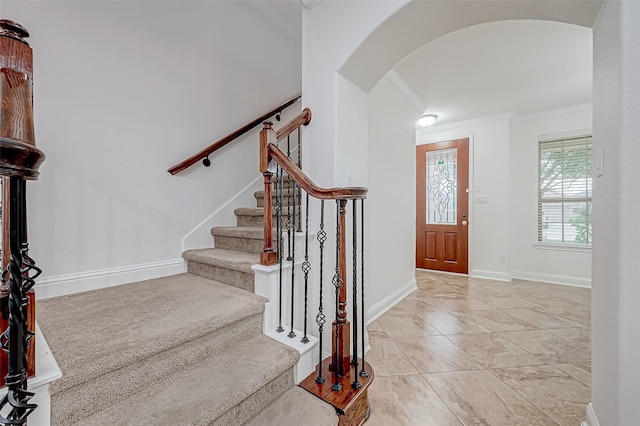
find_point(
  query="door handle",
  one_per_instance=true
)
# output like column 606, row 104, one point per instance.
column 464, row 222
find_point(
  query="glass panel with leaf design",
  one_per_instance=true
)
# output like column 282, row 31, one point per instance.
column 442, row 183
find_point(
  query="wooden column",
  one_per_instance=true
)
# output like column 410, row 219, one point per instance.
column 341, row 347
column 267, row 135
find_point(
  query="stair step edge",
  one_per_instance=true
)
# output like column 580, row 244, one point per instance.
column 135, row 304
column 208, row 391
column 295, row 407
column 223, row 258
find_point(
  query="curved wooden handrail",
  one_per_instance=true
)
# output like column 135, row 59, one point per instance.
column 232, row 136
column 302, row 119
column 349, row 193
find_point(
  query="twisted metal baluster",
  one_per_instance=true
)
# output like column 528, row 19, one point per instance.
column 355, row 384
column 363, row 372
column 320, row 318
column 279, row 208
column 17, row 396
column 337, row 282
column 306, row 267
column 292, row 334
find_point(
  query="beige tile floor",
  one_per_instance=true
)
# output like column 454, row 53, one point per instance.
column 467, row 351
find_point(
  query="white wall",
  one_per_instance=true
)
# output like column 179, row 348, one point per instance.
column 391, row 202
column 123, row 90
column 525, row 260
column 331, row 31
column 488, row 191
column 616, row 252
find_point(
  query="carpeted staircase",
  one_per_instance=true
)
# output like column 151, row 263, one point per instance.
column 185, row 350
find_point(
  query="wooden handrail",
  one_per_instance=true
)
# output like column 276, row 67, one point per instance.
column 302, row 119
column 349, row 193
column 232, row 136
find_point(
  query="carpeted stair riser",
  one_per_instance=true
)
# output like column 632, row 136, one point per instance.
column 256, row 403
column 296, row 407
column 247, row 240
column 229, row 389
column 88, row 398
column 226, row 266
column 286, row 197
column 254, row 217
column 243, row 280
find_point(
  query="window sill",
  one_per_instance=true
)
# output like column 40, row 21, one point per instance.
column 585, row 248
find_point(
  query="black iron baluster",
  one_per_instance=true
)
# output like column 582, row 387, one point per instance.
column 299, row 192
column 17, row 396
column 293, row 262
column 337, row 281
column 320, row 318
column 363, row 372
column 355, row 384
column 289, row 223
column 306, row 267
column 279, row 197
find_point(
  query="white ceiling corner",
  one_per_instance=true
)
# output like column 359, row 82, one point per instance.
column 402, row 85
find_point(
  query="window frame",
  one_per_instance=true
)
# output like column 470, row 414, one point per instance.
column 565, row 141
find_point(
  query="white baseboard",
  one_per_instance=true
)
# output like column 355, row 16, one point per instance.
column 552, row 278
column 390, row 301
column 491, row 275
column 592, row 420
column 75, row 283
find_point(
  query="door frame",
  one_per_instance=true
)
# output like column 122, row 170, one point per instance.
column 471, row 210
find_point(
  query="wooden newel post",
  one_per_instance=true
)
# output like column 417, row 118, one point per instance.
column 342, row 327
column 267, row 136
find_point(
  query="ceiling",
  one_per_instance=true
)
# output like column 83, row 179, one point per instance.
column 518, row 66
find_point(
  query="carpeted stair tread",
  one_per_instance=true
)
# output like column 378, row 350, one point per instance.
column 228, row 389
column 285, row 192
column 297, row 407
column 96, row 332
column 223, row 258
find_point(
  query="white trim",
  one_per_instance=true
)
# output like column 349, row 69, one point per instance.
column 584, row 248
column 310, row 3
column 554, row 112
column 552, row 278
column 491, row 275
column 592, row 419
column 426, row 131
column 574, row 134
column 75, row 283
column 406, row 90
column 206, row 221
column 390, row 301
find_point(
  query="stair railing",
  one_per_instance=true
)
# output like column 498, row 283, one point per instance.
column 204, row 154
column 19, row 161
column 349, row 373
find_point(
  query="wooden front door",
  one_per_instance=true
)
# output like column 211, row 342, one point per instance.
column 442, row 206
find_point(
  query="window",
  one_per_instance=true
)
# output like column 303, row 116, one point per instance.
column 564, row 191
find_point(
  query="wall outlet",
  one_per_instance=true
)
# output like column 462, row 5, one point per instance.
column 502, row 258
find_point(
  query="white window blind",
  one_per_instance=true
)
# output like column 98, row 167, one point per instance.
column 564, row 191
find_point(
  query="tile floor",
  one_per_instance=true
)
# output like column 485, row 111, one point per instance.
column 467, row 351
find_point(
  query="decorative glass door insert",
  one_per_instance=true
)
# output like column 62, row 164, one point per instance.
column 442, row 187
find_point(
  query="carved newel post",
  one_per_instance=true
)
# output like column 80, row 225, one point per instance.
column 19, row 162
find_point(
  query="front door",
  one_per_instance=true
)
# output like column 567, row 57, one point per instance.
column 442, row 206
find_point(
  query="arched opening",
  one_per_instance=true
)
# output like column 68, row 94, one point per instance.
column 395, row 32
